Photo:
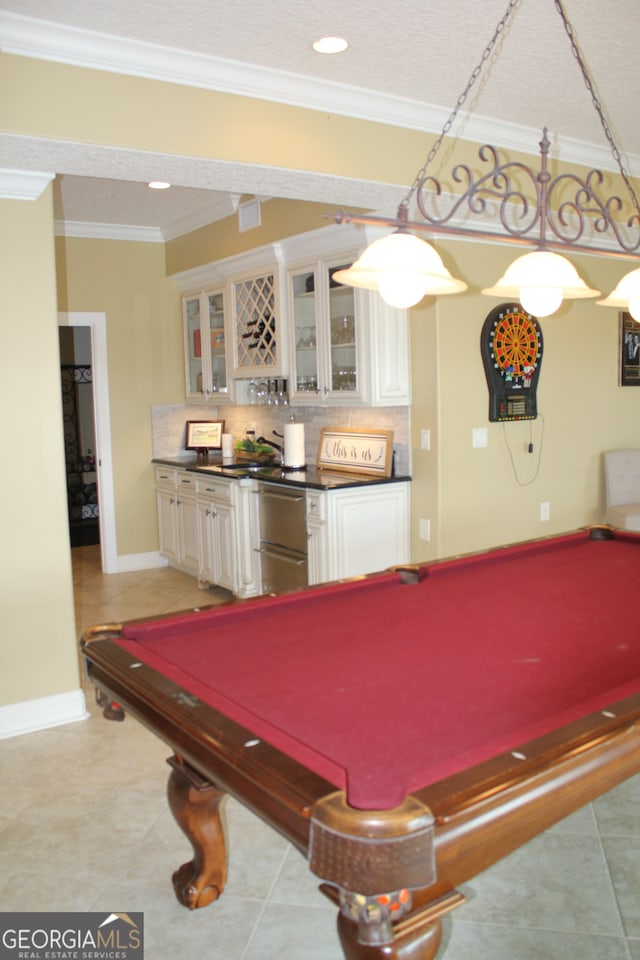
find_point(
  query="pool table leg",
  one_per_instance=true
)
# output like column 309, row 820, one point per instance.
column 416, row 936
column 195, row 804
column 419, row 943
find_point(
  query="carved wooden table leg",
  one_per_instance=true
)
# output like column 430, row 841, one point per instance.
column 195, row 804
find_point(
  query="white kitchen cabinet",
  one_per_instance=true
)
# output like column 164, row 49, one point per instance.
column 357, row 530
column 228, row 535
column 325, row 337
column 208, row 527
column 285, row 318
column 177, row 518
column 216, row 522
column 347, row 346
column 205, row 345
column 317, row 537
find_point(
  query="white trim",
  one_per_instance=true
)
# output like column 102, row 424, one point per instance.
column 130, row 562
column 47, row 40
column 23, row 184
column 98, row 324
column 40, row 714
column 107, row 231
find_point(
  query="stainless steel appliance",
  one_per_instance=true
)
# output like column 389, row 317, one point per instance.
column 283, row 538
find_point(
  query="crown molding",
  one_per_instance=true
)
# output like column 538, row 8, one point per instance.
column 23, row 184
column 209, row 213
column 47, row 40
column 107, row 231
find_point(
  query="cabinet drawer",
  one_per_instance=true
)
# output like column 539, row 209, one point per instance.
column 166, row 477
column 185, row 482
column 216, row 489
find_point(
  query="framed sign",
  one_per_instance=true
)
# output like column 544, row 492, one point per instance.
column 356, row 451
column 204, row 434
column 629, row 351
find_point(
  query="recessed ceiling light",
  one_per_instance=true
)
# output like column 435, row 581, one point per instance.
column 159, row 185
column 330, row 45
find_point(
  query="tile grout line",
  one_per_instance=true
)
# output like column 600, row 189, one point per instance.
column 264, row 905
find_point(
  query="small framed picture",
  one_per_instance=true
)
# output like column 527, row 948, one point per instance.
column 204, row 434
column 629, row 351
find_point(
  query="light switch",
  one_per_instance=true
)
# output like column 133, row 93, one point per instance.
column 480, row 437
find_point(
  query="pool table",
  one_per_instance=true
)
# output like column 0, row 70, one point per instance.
column 404, row 730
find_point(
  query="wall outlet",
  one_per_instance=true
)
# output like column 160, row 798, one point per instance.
column 424, row 528
column 425, row 439
column 545, row 511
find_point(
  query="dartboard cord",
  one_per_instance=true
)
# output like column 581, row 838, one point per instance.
column 520, row 482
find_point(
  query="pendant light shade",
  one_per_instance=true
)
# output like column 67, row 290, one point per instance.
column 626, row 295
column 403, row 268
column 541, row 281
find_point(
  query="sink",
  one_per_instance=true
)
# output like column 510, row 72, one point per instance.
column 244, row 467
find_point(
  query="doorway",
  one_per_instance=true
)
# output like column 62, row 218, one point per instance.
column 96, row 324
column 79, row 435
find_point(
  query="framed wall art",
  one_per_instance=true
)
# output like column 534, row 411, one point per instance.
column 629, row 351
column 204, row 434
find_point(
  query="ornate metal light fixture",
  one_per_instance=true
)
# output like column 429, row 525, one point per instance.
column 533, row 209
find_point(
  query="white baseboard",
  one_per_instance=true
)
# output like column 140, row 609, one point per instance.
column 129, row 562
column 32, row 715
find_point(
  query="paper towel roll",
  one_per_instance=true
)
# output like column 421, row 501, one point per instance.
column 294, row 445
column 227, row 445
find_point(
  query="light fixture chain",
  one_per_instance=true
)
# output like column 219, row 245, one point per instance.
column 460, row 102
column 575, row 49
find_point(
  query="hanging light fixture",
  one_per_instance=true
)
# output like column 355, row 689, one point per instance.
column 626, row 295
column 405, row 268
column 541, row 281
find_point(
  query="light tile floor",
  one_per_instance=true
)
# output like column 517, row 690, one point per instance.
column 84, row 826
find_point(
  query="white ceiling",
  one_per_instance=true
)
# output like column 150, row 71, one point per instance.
column 407, row 64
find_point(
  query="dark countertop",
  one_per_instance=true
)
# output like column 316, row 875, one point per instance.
column 311, row 477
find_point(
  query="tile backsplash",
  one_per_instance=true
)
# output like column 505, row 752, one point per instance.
column 168, row 425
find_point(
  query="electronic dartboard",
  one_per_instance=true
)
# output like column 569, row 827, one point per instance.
column 511, row 345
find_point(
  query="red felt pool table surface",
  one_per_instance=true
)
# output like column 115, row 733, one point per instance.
column 383, row 687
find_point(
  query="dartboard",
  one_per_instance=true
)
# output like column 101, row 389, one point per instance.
column 514, row 343
column 511, row 346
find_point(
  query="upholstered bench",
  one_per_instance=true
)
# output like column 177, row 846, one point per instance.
column 622, row 488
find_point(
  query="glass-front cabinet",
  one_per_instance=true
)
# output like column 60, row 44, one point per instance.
column 204, row 349
column 326, row 354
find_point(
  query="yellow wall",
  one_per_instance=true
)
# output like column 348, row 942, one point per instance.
column 127, row 282
column 37, row 640
column 279, row 219
column 87, row 106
